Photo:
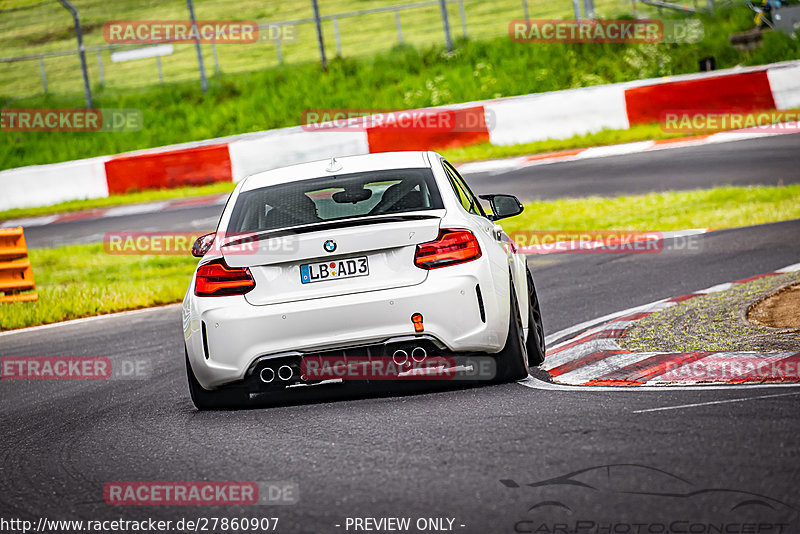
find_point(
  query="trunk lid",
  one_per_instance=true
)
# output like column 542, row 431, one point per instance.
column 388, row 244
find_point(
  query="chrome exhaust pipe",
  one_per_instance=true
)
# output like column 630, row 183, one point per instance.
column 267, row 375
column 285, row 372
column 400, row 357
column 419, row 354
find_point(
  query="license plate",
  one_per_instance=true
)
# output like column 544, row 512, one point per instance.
column 334, row 270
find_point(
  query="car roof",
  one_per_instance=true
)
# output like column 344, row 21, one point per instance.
column 349, row 164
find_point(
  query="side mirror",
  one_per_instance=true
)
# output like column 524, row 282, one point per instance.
column 503, row 206
column 203, row 244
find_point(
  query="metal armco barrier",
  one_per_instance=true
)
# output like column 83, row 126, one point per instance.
column 16, row 274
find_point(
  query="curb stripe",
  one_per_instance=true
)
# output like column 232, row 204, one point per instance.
column 590, row 358
column 595, row 358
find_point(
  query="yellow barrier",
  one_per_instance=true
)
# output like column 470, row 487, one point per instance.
column 16, row 274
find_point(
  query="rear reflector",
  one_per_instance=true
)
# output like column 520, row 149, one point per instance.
column 417, row 320
column 216, row 279
column 450, row 248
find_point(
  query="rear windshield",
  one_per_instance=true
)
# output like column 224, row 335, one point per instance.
column 335, row 197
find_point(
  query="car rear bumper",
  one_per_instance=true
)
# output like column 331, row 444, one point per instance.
column 225, row 335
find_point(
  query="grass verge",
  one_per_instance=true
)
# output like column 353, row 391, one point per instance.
column 720, row 207
column 140, row 197
column 82, row 280
column 714, row 322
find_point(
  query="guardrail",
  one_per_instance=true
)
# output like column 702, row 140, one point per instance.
column 16, row 273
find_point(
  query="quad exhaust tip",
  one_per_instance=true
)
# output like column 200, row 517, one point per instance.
column 400, row 357
column 267, row 375
column 419, row 354
column 285, row 372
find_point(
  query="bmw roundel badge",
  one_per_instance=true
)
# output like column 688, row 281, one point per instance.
column 330, row 245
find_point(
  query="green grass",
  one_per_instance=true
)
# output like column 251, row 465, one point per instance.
column 82, row 280
column 720, row 207
column 48, row 27
column 714, row 322
column 139, row 197
column 400, row 78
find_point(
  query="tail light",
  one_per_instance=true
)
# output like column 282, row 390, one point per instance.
column 450, row 248
column 216, row 279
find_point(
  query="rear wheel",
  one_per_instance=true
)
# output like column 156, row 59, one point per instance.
column 535, row 343
column 512, row 361
column 219, row 399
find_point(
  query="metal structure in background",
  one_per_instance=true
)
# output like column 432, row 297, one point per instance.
column 576, row 7
column 203, row 80
column 446, row 23
column 317, row 19
column 588, row 9
column 318, row 24
column 81, row 52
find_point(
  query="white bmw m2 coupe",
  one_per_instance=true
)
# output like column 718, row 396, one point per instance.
column 386, row 255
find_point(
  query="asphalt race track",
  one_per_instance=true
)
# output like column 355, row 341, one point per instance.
column 766, row 161
column 731, row 458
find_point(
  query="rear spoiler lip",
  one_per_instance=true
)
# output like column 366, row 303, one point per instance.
column 331, row 225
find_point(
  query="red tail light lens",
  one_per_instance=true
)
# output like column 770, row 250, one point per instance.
column 216, row 279
column 450, row 248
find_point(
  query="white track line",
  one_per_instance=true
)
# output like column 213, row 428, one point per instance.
column 710, row 403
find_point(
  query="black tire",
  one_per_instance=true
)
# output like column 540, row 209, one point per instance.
column 512, row 361
column 219, row 399
column 535, row 343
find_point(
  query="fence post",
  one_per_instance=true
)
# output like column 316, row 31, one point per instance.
column 525, row 9
column 44, row 75
column 588, row 9
column 635, row 13
column 216, row 58
column 203, row 80
column 318, row 24
column 463, row 18
column 278, row 47
column 446, row 24
column 576, row 7
column 100, row 68
column 81, row 51
column 160, row 73
column 337, row 36
column 399, row 26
